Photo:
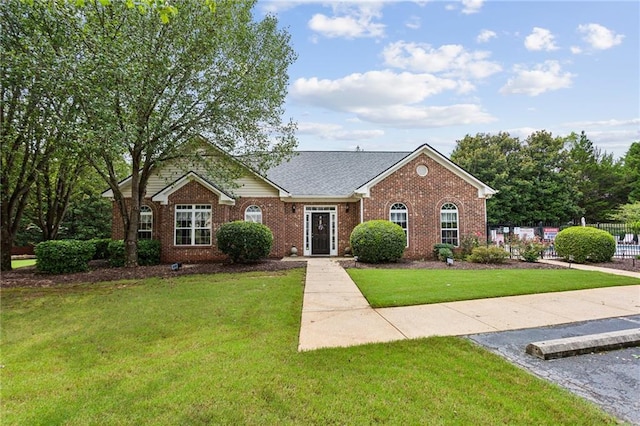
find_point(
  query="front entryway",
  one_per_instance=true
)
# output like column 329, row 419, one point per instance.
column 320, row 231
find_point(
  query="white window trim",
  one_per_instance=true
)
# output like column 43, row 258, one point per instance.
column 333, row 223
column 406, row 212
column 253, row 214
column 145, row 211
column 457, row 228
column 193, row 209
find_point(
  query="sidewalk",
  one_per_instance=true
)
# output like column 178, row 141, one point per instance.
column 336, row 314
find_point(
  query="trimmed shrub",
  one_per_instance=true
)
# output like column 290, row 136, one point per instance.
column 437, row 247
column 148, row 253
column 102, row 248
column 445, row 253
column 64, row 256
column 491, row 254
column 116, row 253
column 580, row 244
column 378, row 241
column 244, row 242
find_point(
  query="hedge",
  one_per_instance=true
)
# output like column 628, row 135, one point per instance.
column 244, row 242
column 64, row 256
column 580, row 244
column 148, row 253
column 378, row 241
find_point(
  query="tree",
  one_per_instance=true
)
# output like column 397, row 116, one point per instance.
column 207, row 71
column 597, row 179
column 632, row 171
column 36, row 114
column 530, row 176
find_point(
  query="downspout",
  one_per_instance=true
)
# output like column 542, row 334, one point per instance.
column 362, row 209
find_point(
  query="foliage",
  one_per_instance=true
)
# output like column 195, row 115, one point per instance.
column 445, row 253
column 386, row 288
column 437, row 247
column 64, row 256
column 490, row 254
column 244, row 242
column 37, row 116
column 632, row 171
column 468, row 243
column 116, row 253
column 580, row 244
column 148, row 252
column 591, row 171
column 378, row 241
column 627, row 213
column 530, row 250
column 102, row 248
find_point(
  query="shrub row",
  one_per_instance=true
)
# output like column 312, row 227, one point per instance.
column 67, row 256
column 244, row 242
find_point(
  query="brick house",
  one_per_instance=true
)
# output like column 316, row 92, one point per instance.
column 314, row 201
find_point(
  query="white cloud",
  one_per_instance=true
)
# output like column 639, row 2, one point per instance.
column 331, row 131
column 540, row 39
column 485, row 36
column 471, row 6
column 604, row 123
column 389, row 98
column 576, row 50
column 599, row 37
column 426, row 116
column 544, row 77
column 351, row 20
column 413, row 23
column 452, row 60
column 373, row 88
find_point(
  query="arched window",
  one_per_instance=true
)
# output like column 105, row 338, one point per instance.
column 449, row 224
column 253, row 214
column 145, row 225
column 398, row 214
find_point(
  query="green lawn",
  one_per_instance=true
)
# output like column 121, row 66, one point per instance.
column 19, row 263
column 222, row 349
column 404, row 287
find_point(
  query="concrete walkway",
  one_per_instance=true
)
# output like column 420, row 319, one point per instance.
column 336, row 314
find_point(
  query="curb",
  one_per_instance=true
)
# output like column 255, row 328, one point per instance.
column 570, row 346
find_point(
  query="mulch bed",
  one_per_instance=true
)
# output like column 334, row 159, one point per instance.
column 100, row 271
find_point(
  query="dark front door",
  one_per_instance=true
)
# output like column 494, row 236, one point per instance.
column 320, row 233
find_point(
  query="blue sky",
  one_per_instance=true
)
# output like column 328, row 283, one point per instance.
column 394, row 75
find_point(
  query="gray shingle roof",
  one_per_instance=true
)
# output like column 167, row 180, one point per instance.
column 331, row 173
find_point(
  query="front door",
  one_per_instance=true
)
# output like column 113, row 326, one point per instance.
column 320, row 235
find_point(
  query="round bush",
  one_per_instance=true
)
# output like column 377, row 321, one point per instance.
column 378, row 241
column 244, row 242
column 148, row 253
column 64, row 256
column 584, row 243
column 491, row 254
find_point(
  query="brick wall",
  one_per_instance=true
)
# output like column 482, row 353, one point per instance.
column 424, row 196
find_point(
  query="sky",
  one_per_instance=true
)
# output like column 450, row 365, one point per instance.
column 393, row 75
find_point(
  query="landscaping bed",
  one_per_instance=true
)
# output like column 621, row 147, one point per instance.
column 100, row 271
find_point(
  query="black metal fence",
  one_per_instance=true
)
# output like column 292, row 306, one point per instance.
column 627, row 237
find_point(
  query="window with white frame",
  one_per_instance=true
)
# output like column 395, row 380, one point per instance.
column 145, row 223
column 253, row 214
column 449, row 224
column 193, row 225
column 399, row 215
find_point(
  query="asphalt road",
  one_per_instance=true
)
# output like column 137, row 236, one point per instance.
column 609, row 379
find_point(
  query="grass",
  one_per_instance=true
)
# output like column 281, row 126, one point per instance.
column 404, row 287
column 222, row 349
column 19, row 263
